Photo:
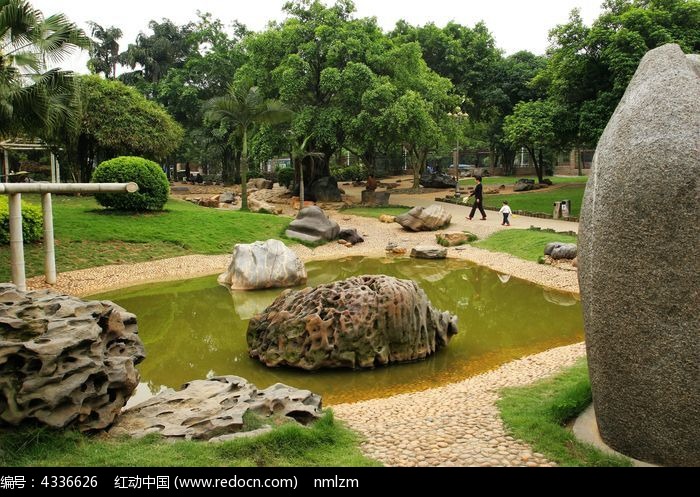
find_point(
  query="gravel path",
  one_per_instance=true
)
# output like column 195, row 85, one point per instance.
column 454, row 425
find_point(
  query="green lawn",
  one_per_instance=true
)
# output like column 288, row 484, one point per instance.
column 88, row 236
column 538, row 414
column 510, row 180
column 540, row 200
column 375, row 212
column 325, row 443
column 526, row 244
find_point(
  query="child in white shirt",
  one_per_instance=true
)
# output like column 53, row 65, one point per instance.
column 505, row 210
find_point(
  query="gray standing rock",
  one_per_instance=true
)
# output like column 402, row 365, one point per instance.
column 361, row 322
column 214, row 409
column 639, row 269
column 312, row 225
column 351, row 235
column 425, row 218
column 560, row 250
column 429, row 252
column 262, row 265
column 65, row 361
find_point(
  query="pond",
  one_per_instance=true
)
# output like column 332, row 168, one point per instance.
column 195, row 328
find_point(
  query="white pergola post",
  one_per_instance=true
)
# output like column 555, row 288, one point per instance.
column 49, row 251
column 6, row 165
column 15, row 190
column 17, row 241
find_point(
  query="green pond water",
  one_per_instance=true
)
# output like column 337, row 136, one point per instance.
column 195, row 328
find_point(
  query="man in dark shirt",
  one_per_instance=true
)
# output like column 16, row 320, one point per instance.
column 478, row 195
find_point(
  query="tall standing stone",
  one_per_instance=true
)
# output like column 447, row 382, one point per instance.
column 639, row 265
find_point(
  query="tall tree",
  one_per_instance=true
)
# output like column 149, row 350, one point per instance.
column 34, row 99
column 104, row 51
column 241, row 109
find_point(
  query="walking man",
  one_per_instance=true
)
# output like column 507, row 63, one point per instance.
column 478, row 195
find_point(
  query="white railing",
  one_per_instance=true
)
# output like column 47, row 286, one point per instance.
column 15, row 191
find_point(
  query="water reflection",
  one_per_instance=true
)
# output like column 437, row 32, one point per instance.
column 196, row 327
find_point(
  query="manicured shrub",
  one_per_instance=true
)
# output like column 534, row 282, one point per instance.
column 153, row 184
column 285, row 176
column 32, row 222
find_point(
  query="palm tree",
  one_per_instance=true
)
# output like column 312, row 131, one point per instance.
column 299, row 153
column 242, row 107
column 33, row 98
column 104, row 53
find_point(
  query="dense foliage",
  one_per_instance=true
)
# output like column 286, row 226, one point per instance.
column 32, row 222
column 153, row 184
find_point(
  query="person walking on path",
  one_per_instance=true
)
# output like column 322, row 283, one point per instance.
column 478, row 195
column 505, row 210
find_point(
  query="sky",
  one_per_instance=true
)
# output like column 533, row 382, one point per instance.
column 515, row 24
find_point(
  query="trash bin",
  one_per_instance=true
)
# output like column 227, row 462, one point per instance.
column 557, row 210
column 565, row 208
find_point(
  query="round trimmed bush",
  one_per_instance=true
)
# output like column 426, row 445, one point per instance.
column 153, row 184
column 32, row 222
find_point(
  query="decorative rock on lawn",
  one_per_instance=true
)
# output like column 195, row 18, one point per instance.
column 437, row 180
column 63, row 360
column 312, row 225
column 639, row 269
column 227, row 198
column 260, row 184
column 385, row 218
column 560, row 250
column 261, row 265
column 256, row 205
column 428, row 252
column 425, row 218
column 362, row 322
column 213, row 409
column 454, row 239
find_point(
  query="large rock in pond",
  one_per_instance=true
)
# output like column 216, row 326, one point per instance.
column 312, row 225
column 362, row 322
column 425, row 218
column 428, row 252
column 437, row 180
column 65, row 361
column 261, row 265
column 324, row 190
column 213, row 409
column 639, row 269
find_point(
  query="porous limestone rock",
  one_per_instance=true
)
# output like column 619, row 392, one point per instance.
column 454, row 239
column 214, row 409
column 65, row 361
column 429, row 252
column 262, row 265
column 361, row 322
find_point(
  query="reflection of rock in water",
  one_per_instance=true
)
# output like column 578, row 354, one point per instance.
column 248, row 304
column 559, row 298
column 505, row 278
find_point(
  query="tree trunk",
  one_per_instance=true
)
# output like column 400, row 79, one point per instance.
column 244, row 171
column 538, row 165
column 227, row 167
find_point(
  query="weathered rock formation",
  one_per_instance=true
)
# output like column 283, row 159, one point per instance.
column 454, row 239
column 261, row 265
column 524, row 185
column 374, row 198
column 257, row 205
column 639, row 269
column 213, row 409
column 362, row 322
column 385, row 218
column 429, row 252
column 324, row 190
column 63, row 360
column 260, row 184
column 437, row 180
column 561, row 250
column 425, row 218
column 351, row 236
column 312, row 225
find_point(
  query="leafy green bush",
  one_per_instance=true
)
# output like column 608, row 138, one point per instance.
column 285, row 176
column 32, row 222
column 153, row 184
column 349, row 173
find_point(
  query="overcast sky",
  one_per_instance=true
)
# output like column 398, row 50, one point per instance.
column 515, row 24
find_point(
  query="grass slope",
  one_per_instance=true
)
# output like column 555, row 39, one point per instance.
column 526, row 244
column 88, row 236
column 325, row 443
column 538, row 413
column 375, row 212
